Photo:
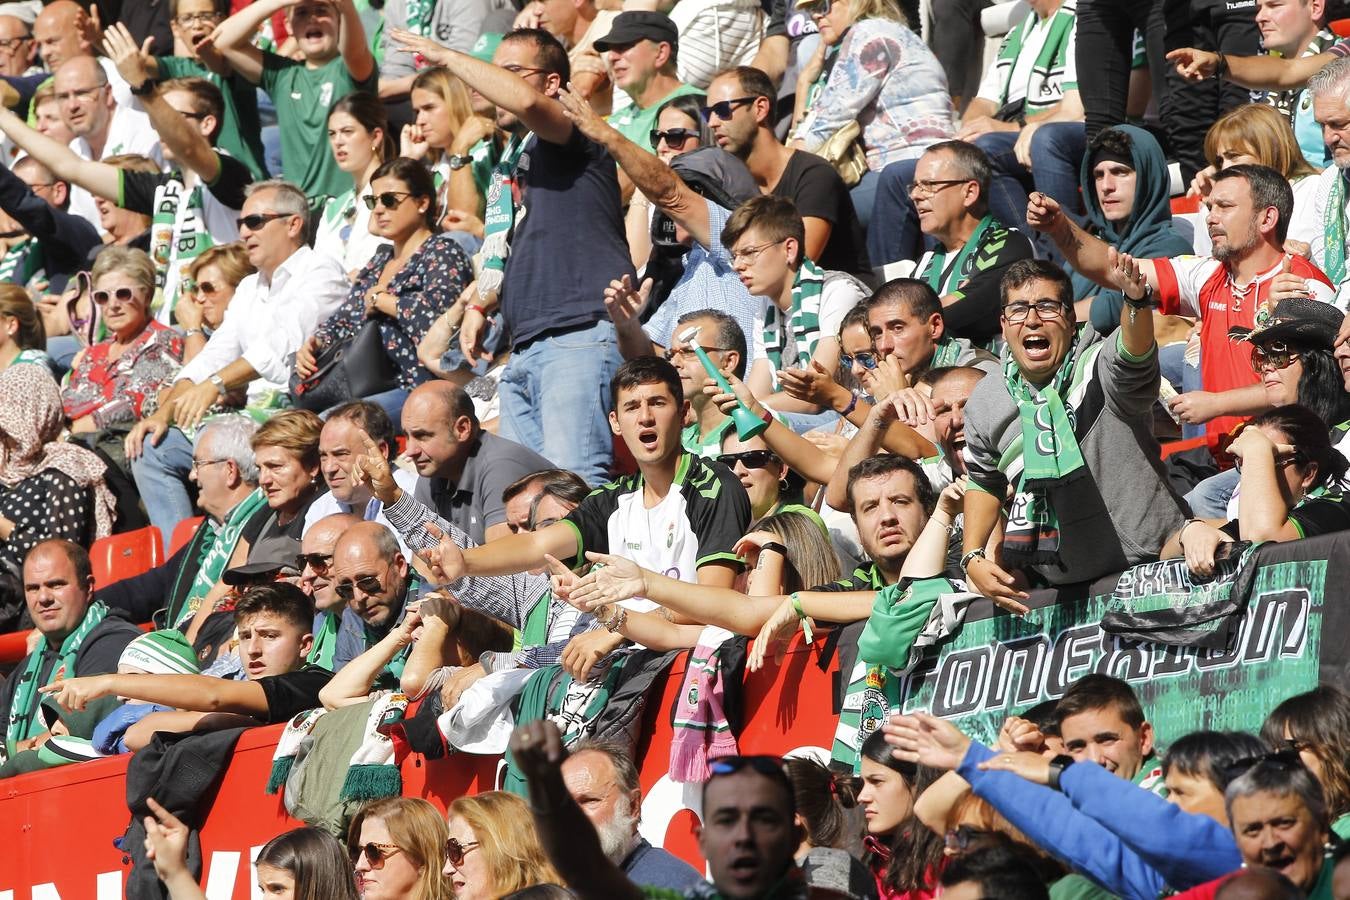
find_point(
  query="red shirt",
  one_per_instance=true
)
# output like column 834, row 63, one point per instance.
column 1199, row 286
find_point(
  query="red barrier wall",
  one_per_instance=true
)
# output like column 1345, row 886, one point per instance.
column 57, row 827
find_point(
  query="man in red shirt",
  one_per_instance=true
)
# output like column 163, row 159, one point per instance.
column 1250, row 207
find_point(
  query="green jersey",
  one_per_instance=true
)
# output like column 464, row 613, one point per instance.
column 240, row 129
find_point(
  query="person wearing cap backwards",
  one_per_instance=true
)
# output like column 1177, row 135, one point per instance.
column 273, row 623
column 641, row 50
column 78, row 637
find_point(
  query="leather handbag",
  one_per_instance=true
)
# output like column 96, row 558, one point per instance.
column 844, row 151
column 348, row 370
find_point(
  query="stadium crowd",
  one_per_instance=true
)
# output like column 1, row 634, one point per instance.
column 472, row 360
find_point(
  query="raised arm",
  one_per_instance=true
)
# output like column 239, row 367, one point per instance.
column 352, row 683
column 1086, row 254
column 234, row 37
column 1263, row 513
column 352, row 37
column 881, row 430
column 1265, row 73
column 95, row 177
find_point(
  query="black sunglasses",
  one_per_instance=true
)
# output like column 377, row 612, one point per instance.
column 387, row 199
column 369, row 585
column 1285, row 759
column 724, row 108
column 771, row 766
column 123, row 294
column 258, row 220
column 675, row 138
column 319, row 562
column 454, row 851
column 751, row 459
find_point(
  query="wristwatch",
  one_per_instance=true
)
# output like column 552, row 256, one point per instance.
column 219, row 383
column 1057, row 767
column 458, row 162
column 145, row 88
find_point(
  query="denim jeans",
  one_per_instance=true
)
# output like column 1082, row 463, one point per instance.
column 1057, row 151
column 1209, row 499
column 555, row 398
column 61, row 350
column 864, row 195
column 161, row 475
column 390, row 401
column 894, row 232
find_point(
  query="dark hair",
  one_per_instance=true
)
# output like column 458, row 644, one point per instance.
column 1097, row 691
column 370, row 418
column 418, row 179
column 1321, row 387
column 1113, row 141
column 279, row 598
column 1271, row 884
column 820, row 796
column 1269, row 188
column 549, row 53
column 1210, row 754
column 691, row 105
column 776, row 218
column 752, row 82
column 917, row 297
column 77, row 556
column 935, row 378
column 206, row 99
column 315, row 859
column 972, row 164
column 916, row 851
column 541, row 892
column 646, row 370
column 369, row 112
column 1025, row 271
column 775, row 773
column 1321, row 718
column 558, row 483
column 730, row 336
column 1001, row 871
column 1310, row 438
column 885, row 464
column 1042, row 715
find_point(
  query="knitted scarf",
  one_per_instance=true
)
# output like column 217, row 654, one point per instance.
column 1333, row 221
column 945, row 353
column 325, row 640
column 801, row 322
column 217, row 553
column 701, row 730
column 1045, row 456
column 374, row 768
column 945, row 278
column 21, row 263
column 500, row 219
column 178, row 234
column 1041, row 94
column 24, row 722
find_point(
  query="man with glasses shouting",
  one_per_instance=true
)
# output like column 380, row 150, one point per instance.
column 1063, row 443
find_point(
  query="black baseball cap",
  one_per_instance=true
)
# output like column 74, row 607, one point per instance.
column 637, row 25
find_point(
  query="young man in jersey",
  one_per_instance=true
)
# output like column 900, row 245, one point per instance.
column 1249, row 212
column 678, row 515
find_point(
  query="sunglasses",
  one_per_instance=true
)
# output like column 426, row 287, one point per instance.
column 208, row 287
column 724, row 108
column 1285, row 759
column 376, row 853
column 822, row 9
column 962, row 837
column 455, row 851
column 258, row 220
column 319, row 562
column 772, row 766
column 1275, row 355
column 386, row 200
column 369, row 585
column 123, row 295
column 751, row 459
column 675, row 138
column 867, row 359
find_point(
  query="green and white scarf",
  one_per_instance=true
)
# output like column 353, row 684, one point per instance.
column 946, row 279
column 24, row 721
column 21, row 263
column 946, row 353
column 801, row 323
column 325, row 640
column 217, row 554
column 178, row 234
column 1333, row 222
column 419, row 16
column 1044, row 456
column 1045, row 83
column 500, row 218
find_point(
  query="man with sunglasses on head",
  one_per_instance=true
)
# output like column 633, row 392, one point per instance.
column 553, row 240
column 748, row 834
column 741, row 113
column 252, row 353
column 640, row 48
column 1068, row 433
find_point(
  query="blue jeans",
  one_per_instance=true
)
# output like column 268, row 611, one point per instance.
column 390, row 401
column 1209, row 499
column 555, row 398
column 61, row 351
column 161, row 475
column 1057, row 150
column 864, row 195
column 894, row 233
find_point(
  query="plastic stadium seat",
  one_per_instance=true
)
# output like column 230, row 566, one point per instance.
column 182, row 533
column 1340, row 27
column 124, row 555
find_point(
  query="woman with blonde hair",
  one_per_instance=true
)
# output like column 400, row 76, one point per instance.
column 286, row 448
column 22, row 337
column 210, row 280
column 396, row 845
column 458, row 145
column 493, row 849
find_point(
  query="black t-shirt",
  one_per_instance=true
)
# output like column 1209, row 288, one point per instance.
column 974, row 314
column 138, row 188
column 568, row 241
column 819, row 192
column 290, row 694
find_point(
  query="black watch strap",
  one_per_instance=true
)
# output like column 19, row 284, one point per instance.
column 144, row 88
column 1057, row 767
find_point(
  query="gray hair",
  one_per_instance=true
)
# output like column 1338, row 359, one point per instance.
column 620, row 756
column 1271, row 776
column 231, row 438
column 289, row 200
column 1331, row 80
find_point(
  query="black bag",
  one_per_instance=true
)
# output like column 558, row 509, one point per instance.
column 348, row 370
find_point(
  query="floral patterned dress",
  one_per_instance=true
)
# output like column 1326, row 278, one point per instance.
column 116, row 390
column 427, row 284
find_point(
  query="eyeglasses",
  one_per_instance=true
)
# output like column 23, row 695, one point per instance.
column 749, row 254
column 199, row 464
column 1285, row 759
column 673, row 354
column 724, row 108
column 387, row 200
column 195, row 116
column 1045, row 309
column 319, row 562
column 455, row 851
column 929, row 188
column 764, row 765
column 80, row 93
column 14, row 43
column 751, row 459
column 675, row 138
column 369, row 585
column 822, row 9
column 258, row 220
column 194, row 18
column 962, row 837
column 376, row 853
column 867, row 359
column 521, row 70
column 1275, row 355
column 122, row 295
column 1296, row 745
